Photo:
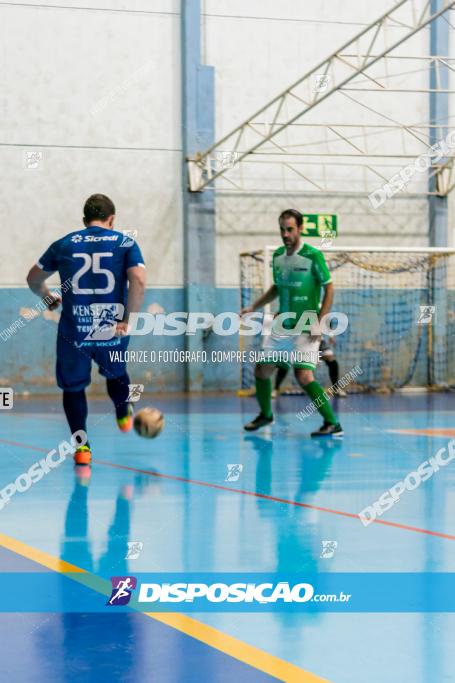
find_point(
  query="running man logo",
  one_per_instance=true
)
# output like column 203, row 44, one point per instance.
column 122, row 587
column 226, row 160
column 135, row 391
column 104, row 320
column 328, row 549
column 234, row 472
column 134, row 550
column 321, row 82
column 128, row 238
column 426, row 315
column 327, row 238
column 33, row 159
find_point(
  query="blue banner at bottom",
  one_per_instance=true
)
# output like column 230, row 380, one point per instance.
column 229, row 592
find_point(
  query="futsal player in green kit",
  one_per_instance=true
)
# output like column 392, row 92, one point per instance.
column 299, row 275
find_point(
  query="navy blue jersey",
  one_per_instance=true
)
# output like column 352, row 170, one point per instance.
column 92, row 264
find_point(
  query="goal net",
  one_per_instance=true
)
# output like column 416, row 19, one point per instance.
column 400, row 305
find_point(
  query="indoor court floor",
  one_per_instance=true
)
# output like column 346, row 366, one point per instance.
column 173, row 494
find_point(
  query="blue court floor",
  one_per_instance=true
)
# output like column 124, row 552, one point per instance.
column 173, row 494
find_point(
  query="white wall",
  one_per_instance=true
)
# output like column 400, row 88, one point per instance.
column 259, row 48
column 98, row 94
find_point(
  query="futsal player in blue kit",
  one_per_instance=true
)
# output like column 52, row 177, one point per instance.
column 103, row 280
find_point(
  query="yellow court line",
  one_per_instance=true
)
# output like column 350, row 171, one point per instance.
column 38, row 556
column 238, row 649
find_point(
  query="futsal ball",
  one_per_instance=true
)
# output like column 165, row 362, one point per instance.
column 149, row 422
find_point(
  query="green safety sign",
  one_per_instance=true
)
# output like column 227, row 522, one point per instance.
column 320, row 225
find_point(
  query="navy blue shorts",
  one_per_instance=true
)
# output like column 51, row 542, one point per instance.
column 74, row 365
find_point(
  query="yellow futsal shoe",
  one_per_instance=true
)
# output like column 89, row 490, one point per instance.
column 83, row 456
column 125, row 424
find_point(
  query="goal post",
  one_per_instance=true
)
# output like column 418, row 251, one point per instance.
column 400, row 303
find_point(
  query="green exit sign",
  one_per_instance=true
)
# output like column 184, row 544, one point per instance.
column 320, row 225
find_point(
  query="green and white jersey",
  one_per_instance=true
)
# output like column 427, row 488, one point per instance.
column 299, row 279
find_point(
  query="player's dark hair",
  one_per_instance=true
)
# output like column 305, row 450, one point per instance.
column 292, row 213
column 98, row 207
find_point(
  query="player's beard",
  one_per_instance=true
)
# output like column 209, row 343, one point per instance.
column 291, row 245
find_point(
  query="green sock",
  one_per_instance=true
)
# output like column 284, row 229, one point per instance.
column 318, row 395
column 264, row 396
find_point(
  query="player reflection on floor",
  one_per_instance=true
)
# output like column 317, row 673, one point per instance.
column 76, row 546
column 104, row 644
column 294, row 527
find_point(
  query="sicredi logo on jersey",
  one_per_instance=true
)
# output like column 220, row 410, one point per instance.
column 94, row 238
